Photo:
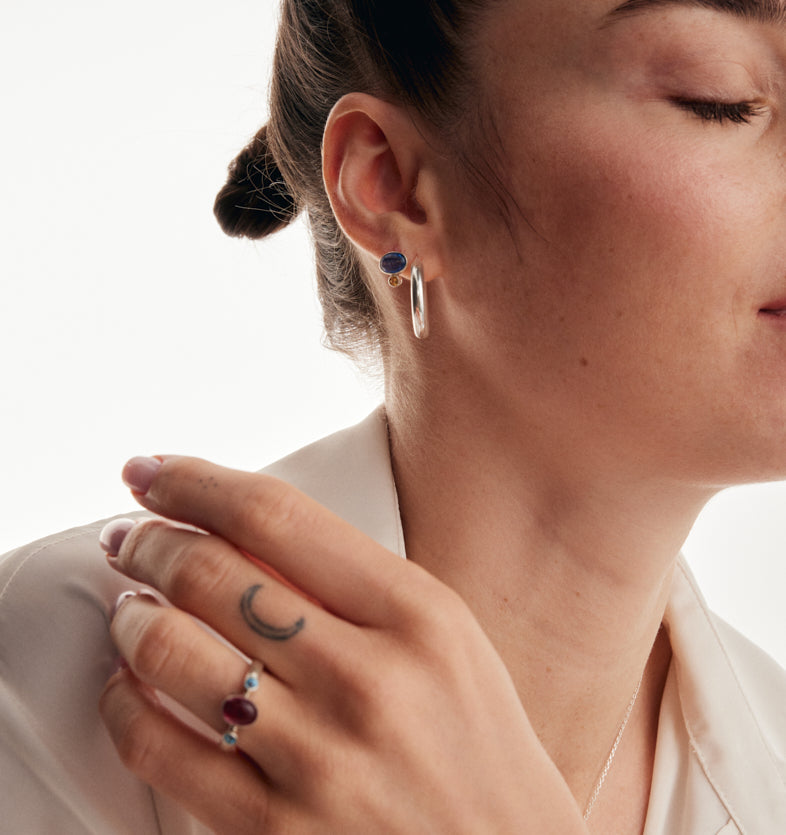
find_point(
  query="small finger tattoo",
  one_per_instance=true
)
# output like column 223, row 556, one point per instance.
column 261, row 627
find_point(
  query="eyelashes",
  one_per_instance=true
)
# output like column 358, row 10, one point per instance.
column 738, row 113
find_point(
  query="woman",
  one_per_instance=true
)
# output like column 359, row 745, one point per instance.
column 585, row 203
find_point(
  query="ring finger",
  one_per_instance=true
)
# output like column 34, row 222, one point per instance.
column 166, row 649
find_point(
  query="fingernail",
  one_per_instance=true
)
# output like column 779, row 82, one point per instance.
column 117, row 665
column 139, row 472
column 144, row 594
column 113, row 534
column 126, row 595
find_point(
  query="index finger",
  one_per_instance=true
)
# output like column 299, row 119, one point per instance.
column 330, row 560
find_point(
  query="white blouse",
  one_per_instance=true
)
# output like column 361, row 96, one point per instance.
column 720, row 762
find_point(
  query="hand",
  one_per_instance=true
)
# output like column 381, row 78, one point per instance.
column 382, row 708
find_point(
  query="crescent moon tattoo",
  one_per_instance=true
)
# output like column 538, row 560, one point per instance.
column 261, row 627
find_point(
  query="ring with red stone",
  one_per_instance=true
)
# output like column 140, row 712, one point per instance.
column 238, row 710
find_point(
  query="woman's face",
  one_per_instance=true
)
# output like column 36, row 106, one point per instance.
column 639, row 296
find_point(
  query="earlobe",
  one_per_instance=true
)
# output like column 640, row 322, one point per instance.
column 372, row 158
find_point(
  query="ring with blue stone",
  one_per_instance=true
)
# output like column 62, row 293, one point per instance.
column 238, row 710
column 393, row 264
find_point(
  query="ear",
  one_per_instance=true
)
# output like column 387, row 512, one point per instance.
column 379, row 178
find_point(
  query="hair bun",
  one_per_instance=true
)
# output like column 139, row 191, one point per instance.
column 256, row 200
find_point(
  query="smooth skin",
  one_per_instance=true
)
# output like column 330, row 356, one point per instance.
column 605, row 356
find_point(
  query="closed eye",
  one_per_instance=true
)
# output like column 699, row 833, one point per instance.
column 738, row 113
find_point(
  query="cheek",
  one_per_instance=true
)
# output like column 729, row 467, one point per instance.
column 632, row 255
column 623, row 227
column 662, row 220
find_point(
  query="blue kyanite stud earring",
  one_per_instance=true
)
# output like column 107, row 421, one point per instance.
column 392, row 264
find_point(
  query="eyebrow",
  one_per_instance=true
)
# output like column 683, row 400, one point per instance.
column 758, row 11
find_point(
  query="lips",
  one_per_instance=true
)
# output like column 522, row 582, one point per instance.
column 775, row 308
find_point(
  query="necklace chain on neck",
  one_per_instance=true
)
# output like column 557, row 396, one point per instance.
column 628, row 711
column 607, row 766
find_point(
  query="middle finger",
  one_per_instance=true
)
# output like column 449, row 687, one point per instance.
column 209, row 578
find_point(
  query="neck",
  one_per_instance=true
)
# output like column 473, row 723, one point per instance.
column 565, row 560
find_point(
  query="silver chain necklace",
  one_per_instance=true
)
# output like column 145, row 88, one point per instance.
column 605, row 771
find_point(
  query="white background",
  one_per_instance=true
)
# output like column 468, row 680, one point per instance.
column 129, row 324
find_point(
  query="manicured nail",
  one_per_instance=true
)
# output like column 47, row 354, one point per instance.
column 113, row 534
column 144, row 594
column 126, row 595
column 117, row 665
column 139, row 472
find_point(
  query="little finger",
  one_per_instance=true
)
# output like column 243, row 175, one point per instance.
column 228, row 794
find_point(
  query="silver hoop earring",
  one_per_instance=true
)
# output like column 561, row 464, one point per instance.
column 419, row 304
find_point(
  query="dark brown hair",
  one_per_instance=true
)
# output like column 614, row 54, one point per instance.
column 412, row 52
